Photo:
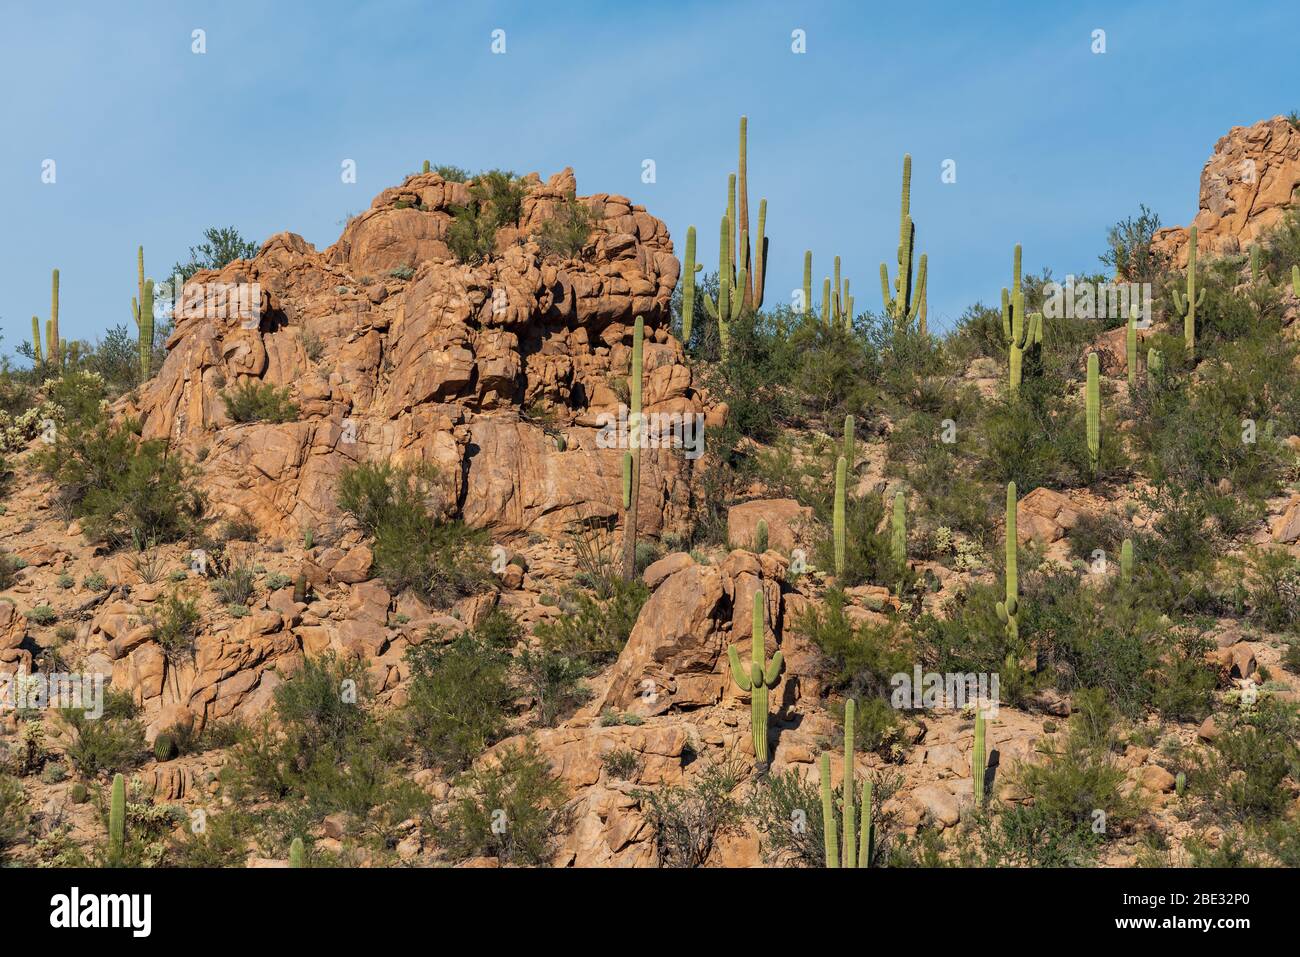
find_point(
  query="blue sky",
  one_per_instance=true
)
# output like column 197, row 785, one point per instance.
column 1053, row 143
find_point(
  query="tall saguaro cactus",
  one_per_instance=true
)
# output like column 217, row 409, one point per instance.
column 55, row 345
column 1009, row 609
column 1126, row 561
column 728, row 307
column 1295, row 280
column 978, row 758
column 1020, row 333
column 1131, row 347
column 903, row 302
column 752, row 291
column 632, row 458
column 37, row 356
column 1187, row 305
column 807, row 282
column 297, row 853
column 841, row 480
column 857, row 840
column 117, row 822
column 849, row 426
column 1093, row 410
column 689, row 269
column 142, row 312
column 898, row 533
column 761, row 676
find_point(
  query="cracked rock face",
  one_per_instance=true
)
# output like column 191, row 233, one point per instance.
column 1246, row 187
column 393, row 351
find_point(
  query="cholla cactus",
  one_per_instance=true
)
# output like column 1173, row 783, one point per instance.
column 1186, row 306
column 857, row 840
column 757, row 680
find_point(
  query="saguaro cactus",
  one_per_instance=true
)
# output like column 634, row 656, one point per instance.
column 1186, row 306
column 423, row 169
column 728, row 307
column 978, row 758
column 807, row 282
column 297, row 853
column 1131, row 347
column 752, row 290
column 828, row 314
column 689, row 269
column 1126, row 561
column 849, row 425
column 757, row 680
column 55, row 346
column 1257, row 266
column 1020, row 334
column 37, row 356
column 1295, row 280
column 1155, row 365
column 632, row 458
column 856, row 840
column 1093, row 409
column 841, row 480
column 143, row 310
column 903, row 302
column 898, row 536
column 1009, row 609
column 117, row 822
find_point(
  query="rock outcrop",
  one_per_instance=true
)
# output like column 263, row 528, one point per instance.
column 394, row 351
column 1246, row 187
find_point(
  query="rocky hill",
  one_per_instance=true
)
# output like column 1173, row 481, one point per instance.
column 495, row 375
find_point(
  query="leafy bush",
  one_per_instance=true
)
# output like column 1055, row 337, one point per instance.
column 253, row 401
column 123, row 489
column 496, row 199
column 1275, row 589
column 555, row 682
column 1250, row 759
column 688, row 819
column 565, row 233
column 519, row 791
column 594, row 630
column 459, row 698
column 438, row 560
column 111, row 743
column 176, row 626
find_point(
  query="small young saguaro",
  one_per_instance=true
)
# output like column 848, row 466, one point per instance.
column 761, row 676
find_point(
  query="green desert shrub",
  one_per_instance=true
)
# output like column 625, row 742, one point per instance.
column 111, row 743
column 1252, row 764
column 565, row 233
column 440, row 560
column 253, row 401
column 688, row 820
column 176, row 626
column 519, row 791
column 326, row 752
column 125, row 490
column 1275, row 589
column 460, row 698
column 554, row 681
column 593, row 629
column 496, row 199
